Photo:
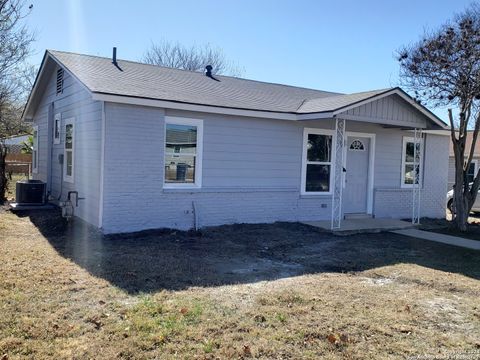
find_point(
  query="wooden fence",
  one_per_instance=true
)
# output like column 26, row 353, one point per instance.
column 18, row 163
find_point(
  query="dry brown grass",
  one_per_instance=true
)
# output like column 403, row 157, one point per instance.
column 53, row 308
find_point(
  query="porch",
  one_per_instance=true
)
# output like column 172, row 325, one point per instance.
column 398, row 174
column 362, row 225
column 354, row 182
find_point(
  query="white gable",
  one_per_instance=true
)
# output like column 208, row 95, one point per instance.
column 388, row 110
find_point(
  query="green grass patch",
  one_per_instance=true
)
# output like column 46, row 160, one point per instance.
column 159, row 321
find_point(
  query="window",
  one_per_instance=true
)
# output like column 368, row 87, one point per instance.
column 317, row 161
column 60, row 74
column 472, row 171
column 69, row 148
column 408, row 153
column 35, row 150
column 56, row 128
column 357, row 145
column 183, row 152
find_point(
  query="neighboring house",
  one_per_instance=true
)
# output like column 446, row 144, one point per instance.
column 16, row 160
column 150, row 147
column 15, row 143
column 474, row 165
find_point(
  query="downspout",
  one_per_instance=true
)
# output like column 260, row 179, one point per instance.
column 102, row 167
column 49, row 147
column 61, row 160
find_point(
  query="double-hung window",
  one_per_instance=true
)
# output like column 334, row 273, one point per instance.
column 69, row 149
column 35, row 150
column 409, row 173
column 317, row 161
column 183, row 152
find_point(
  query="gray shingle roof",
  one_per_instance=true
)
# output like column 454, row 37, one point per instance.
column 337, row 102
column 155, row 82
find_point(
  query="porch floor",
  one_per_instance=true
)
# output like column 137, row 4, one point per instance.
column 365, row 225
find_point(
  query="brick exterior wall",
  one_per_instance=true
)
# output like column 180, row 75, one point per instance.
column 397, row 203
column 135, row 200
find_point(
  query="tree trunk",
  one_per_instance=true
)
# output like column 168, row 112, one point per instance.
column 461, row 197
column 461, row 210
column 3, row 173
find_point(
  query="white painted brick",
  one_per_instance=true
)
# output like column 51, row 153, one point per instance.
column 134, row 199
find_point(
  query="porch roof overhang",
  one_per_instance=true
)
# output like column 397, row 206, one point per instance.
column 391, row 108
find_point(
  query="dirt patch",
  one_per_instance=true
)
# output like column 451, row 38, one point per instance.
column 278, row 291
column 449, row 313
column 380, row 281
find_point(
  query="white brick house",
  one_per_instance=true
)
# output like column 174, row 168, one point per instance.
column 150, row 147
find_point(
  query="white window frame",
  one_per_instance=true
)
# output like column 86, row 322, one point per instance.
column 198, row 155
column 407, row 139
column 306, row 132
column 57, row 123
column 69, row 178
column 35, row 150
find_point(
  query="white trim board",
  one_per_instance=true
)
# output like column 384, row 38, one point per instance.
column 242, row 112
column 194, row 107
column 198, row 155
column 303, row 181
column 102, row 167
column 405, row 140
column 69, row 178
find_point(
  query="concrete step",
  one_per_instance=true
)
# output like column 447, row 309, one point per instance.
column 357, row 216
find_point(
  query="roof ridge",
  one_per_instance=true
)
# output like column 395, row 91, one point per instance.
column 195, row 72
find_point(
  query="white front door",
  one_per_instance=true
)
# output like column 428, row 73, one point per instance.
column 355, row 193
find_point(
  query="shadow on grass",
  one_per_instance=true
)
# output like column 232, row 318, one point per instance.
column 149, row 261
column 445, row 226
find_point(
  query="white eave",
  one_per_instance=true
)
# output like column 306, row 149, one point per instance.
column 192, row 107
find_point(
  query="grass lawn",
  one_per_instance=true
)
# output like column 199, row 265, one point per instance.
column 280, row 291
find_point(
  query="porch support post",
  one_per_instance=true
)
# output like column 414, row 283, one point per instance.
column 339, row 143
column 416, row 186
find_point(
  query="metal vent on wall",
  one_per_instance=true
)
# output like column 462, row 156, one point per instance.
column 59, row 81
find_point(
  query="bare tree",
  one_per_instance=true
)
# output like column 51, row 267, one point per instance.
column 193, row 58
column 15, row 41
column 443, row 69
